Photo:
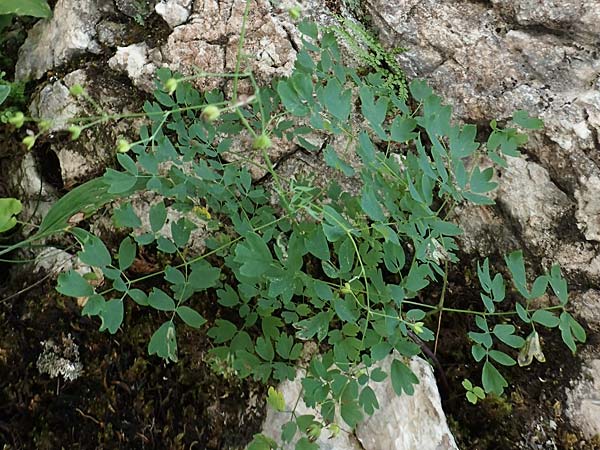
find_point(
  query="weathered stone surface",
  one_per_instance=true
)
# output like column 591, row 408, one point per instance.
column 174, row 12
column 209, row 41
column 84, row 158
column 550, row 67
column 134, row 60
column 136, row 9
column 583, row 400
column 69, row 33
column 407, row 422
column 401, row 422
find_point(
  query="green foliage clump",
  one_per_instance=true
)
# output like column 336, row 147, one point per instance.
column 306, row 263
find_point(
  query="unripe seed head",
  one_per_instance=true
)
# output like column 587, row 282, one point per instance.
column 29, row 142
column 17, row 119
column 261, row 142
column 211, row 113
column 171, row 85
column 123, row 146
column 75, row 132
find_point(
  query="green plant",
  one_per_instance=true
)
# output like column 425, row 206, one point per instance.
column 34, row 8
column 343, row 270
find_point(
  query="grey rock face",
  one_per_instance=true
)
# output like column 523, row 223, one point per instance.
column 209, row 41
column 174, row 12
column 583, row 400
column 69, row 33
column 489, row 59
column 401, row 422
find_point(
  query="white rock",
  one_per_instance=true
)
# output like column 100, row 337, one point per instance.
column 134, row 60
column 174, row 12
column 401, row 422
column 588, row 208
column 69, row 33
column 583, row 400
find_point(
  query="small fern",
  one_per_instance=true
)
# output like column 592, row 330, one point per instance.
column 368, row 50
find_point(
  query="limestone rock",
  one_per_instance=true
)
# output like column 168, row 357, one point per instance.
column 549, row 64
column 583, row 400
column 210, row 39
column 407, row 422
column 134, row 60
column 69, row 33
column 401, row 422
column 136, row 9
column 174, row 12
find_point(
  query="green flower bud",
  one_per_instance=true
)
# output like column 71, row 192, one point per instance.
column 295, row 12
column 418, row 327
column 76, row 90
column 210, row 113
column 44, row 125
column 346, row 289
column 171, row 85
column 313, row 431
column 17, row 119
column 29, row 142
column 334, row 429
column 261, row 142
column 123, row 146
column 75, row 132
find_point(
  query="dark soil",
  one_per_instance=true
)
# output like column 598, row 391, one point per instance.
column 124, row 399
column 530, row 415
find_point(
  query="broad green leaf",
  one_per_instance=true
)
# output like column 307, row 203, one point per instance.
column 163, row 342
column 158, row 299
column 157, row 216
column 35, row 8
column 336, row 100
column 545, row 318
column 480, row 180
column 403, row 378
column 73, row 285
column 264, row 348
column 505, row 332
column 223, row 331
column 288, row 431
column 190, row 317
column 93, row 306
column 402, row 129
column 370, row 205
column 127, row 252
column 333, row 160
column 254, row 256
column 138, row 296
column 316, row 244
column 523, row 119
column 368, row 400
column 112, row 315
column 373, row 111
column 492, row 380
column 204, row 275
column 290, row 99
column 94, row 251
column 127, row 163
column 125, row 216
column 351, row 413
column 119, row 182
column 9, row 207
column 4, row 88
column 516, row 265
column 502, row 358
